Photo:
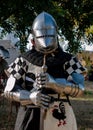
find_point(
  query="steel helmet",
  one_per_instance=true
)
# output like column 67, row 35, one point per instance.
column 44, row 30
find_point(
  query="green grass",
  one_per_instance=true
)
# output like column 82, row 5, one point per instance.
column 88, row 92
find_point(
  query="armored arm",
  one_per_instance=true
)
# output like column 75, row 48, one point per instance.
column 24, row 97
column 62, row 86
column 15, row 92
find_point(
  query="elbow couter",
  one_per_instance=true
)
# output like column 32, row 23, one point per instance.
column 74, row 91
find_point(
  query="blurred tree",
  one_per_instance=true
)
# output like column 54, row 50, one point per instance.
column 74, row 19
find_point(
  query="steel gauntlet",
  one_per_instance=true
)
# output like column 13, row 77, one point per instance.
column 60, row 87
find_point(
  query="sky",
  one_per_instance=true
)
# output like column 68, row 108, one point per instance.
column 88, row 47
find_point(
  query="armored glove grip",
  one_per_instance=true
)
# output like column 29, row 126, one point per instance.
column 41, row 80
column 40, row 99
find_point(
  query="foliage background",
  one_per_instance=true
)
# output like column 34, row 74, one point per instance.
column 74, row 19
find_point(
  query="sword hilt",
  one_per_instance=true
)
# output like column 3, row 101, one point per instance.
column 44, row 67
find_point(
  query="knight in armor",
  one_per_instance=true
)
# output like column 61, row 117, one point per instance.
column 4, row 53
column 42, row 80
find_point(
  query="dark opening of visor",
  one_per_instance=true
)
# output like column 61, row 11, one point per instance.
column 45, row 36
